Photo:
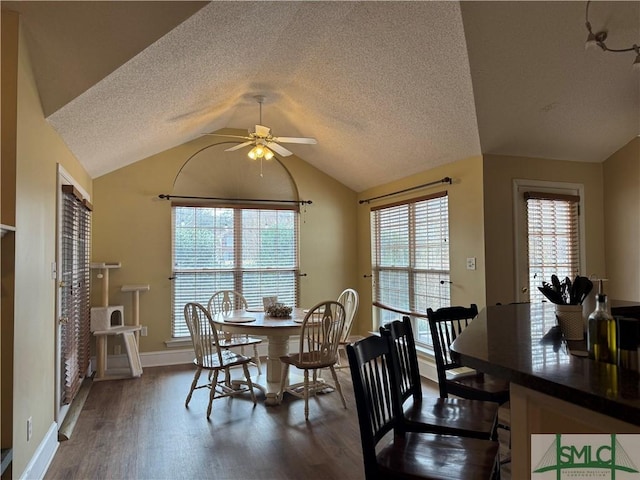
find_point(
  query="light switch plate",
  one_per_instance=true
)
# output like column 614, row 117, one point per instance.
column 471, row 263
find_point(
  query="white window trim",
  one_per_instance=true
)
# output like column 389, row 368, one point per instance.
column 520, row 224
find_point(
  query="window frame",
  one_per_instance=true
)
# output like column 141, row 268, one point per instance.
column 237, row 271
column 520, row 186
column 418, row 318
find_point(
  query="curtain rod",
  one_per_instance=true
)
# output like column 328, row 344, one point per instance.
column 437, row 182
column 169, row 197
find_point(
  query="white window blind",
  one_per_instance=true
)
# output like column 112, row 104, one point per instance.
column 410, row 260
column 251, row 250
column 552, row 238
column 75, row 309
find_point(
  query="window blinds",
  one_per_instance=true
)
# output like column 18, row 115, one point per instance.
column 75, row 309
column 553, row 238
column 410, row 256
column 250, row 250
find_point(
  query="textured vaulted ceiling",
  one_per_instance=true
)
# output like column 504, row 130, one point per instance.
column 388, row 88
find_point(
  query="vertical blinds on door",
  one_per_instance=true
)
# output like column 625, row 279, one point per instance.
column 75, row 310
column 553, row 238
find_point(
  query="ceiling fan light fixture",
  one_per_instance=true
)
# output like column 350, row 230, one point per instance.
column 599, row 39
column 591, row 43
column 261, row 137
column 260, row 151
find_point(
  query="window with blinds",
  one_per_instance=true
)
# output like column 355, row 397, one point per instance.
column 253, row 251
column 75, row 307
column 410, row 260
column 553, row 241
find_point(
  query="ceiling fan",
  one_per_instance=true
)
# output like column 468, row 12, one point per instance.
column 264, row 143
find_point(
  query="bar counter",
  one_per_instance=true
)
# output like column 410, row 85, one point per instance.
column 553, row 389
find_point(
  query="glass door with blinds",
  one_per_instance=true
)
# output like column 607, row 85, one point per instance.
column 74, row 310
column 549, row 238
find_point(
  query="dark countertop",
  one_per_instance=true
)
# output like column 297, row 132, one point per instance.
column 518, row 343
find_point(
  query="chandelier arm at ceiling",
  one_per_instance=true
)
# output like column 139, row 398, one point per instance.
column 599, row 39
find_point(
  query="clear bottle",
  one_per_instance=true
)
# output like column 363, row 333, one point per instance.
column 601, row 334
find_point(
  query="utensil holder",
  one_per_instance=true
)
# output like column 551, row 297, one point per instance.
column 570, row 321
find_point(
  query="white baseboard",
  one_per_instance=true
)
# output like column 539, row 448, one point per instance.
column 185, row 355
column 43, row 456
column 175, row 356
column 427, row 368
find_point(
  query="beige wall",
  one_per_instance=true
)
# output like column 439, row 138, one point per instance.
column 466, row 228
column 622, row 222
column 132, row 226
column 38, row 151
column 499, row 173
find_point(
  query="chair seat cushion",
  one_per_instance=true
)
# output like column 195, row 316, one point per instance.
column 453, row 416
column 433, row 456
column 309, row 360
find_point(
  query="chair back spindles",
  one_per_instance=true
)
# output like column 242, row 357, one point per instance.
column 210, row 356
column 203, row 336
column 321, row 332
column 225, row 301
column 318, row 348
column 349, row 299
column 428, row 452
column 403, row 353
column 369, row 363
column 446, row 325
column 417, row 414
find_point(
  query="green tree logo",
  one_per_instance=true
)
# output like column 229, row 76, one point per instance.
column 595, row 457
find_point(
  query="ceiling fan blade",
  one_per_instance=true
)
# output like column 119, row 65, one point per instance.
column 307, row 140
column 279, row 149
column 239, row 146
column 228, row 136
column 262, row 131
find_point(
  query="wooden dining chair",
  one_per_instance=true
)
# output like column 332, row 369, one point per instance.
column 210, row 356
column 349, row 299
column 416, row 455
column 225, row 301
column 456, row 416
column 320, row 336
column 445, row 325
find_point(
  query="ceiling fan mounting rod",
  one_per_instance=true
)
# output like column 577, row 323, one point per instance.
column 260, row 100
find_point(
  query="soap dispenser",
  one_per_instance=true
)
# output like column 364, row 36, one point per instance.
column 601, row 334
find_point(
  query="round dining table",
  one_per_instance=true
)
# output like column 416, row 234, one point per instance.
column 277, row 330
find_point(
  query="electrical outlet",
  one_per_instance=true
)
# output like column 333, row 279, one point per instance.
column 471, row 263
column 116, row 350
column 144, row 331
column 29, row 428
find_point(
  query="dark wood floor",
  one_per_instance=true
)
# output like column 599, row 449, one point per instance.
column 140, row 429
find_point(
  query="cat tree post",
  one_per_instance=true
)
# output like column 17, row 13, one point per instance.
column 135, row 303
